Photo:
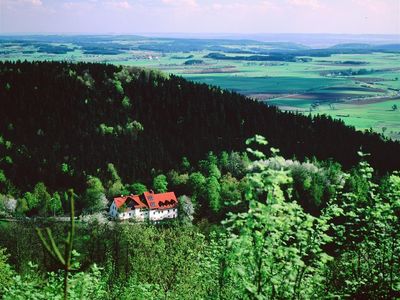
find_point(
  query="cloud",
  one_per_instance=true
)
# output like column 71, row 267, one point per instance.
column 22, row 2
column 313, row 4
column 375, row 6
column 180, row 3
column 244, row 6
column 120, row 4
column 78, row 6
column 36, row 2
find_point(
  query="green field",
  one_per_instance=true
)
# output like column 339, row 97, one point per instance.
column 360, row 89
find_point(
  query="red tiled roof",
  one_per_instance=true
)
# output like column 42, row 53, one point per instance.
column 137, row 203
column 154, row 201
column 161, row 201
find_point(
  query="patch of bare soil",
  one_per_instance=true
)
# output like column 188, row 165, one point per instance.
column 303, row 96
column 230, row 69
column 371, row 100
column 368, row 79
column 266, row 96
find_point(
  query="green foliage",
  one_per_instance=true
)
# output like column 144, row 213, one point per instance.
column 173, row 270
column 368, row 261
column 2, row 176
column 177, row 179
column 230, row 190
column 106, row 130
column 114, row 184
column 126, row 103
column 137, row 188
column 31, row 200
column 185, row 164
column 22, row 206
column 6, row 272
column 186, row 209
column 133, row 128
column 55, row 205
column 213, row 190
column 197, row 183
column 49, row 244
column 214, row 171
column 118, row 86
column 86, row 79
column 95, row 199
column 160, row 183
column 277, row 247
column 87, row 134
column 40, row 199
column 66, row 169
column 32, row 286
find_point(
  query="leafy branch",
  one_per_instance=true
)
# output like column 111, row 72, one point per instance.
column 53, row 249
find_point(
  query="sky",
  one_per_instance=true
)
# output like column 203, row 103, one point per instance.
column 200, row 16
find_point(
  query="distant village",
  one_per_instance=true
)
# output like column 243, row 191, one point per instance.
column 148, row 206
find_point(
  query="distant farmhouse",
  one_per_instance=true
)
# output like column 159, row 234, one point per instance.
column 147, row 206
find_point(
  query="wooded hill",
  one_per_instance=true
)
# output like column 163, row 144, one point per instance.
column 60, row 122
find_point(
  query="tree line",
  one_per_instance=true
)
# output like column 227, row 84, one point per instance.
column 269, row 244
column 63, row 122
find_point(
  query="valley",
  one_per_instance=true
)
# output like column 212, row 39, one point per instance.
column 357, row 83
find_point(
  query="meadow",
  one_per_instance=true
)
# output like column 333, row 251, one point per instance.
column 359, row 87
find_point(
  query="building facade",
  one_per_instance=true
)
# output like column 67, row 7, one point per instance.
column 147, row 206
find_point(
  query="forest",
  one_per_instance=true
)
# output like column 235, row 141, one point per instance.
column 65, row 121
column 272, row 205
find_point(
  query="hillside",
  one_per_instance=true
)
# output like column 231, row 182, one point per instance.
column 60, row 122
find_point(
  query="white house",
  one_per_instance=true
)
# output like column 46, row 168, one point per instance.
column 148, row 206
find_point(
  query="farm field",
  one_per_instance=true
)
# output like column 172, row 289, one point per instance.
column 360, row 88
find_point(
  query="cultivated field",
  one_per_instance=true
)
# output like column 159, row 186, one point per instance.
column 361, row 88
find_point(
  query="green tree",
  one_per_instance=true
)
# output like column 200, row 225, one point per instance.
column 43, row 197
column 186, row 209
column 55, row 205
column 230, row 190
column 126, row 102
column 22, row 206
column 175, row 256
column 177, row 179
column 137, row 188
column 2, row 176
column 213, row 190
column 6, row 273
column 160, row 183
column 185, row 164
column 118, row 86
column 114, row 185
column 367, row 240
column 31, row 200
column 95, row 199
column 214, row 171
column 277, row 247
column 224, row 161
column 197, row 183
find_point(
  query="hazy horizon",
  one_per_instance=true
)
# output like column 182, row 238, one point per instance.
column 199, row 17
column 313, row 40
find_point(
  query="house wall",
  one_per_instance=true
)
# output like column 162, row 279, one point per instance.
column 113, row 210
column 129, row 214
column 157, row 215
column 143, row 214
